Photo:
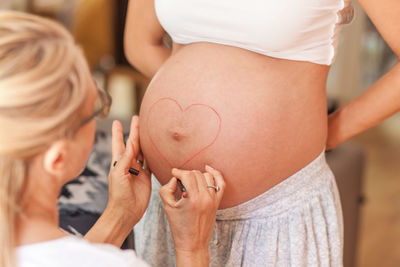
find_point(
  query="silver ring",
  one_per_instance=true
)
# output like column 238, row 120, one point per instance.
column 216, row 187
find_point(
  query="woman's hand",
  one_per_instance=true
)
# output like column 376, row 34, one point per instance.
column 334, row 131
column 192, row 218
column 128, row 193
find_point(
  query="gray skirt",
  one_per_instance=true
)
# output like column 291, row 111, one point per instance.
column 296, row 223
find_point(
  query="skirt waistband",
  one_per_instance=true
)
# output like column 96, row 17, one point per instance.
column 316, row 176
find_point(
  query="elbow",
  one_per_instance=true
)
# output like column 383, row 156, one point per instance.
column 133, row 59
column 144, row 55
column 139, row 58
column 136, row 56
column 133, row 48
column 132, row 52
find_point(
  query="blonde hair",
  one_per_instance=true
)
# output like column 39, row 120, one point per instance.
column 42, row 91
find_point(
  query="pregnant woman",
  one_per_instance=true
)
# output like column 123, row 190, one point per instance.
column 243, row 89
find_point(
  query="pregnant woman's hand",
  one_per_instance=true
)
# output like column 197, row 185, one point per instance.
column 192, row 218
column 128, row 192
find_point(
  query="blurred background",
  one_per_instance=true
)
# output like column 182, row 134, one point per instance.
column 363, row 57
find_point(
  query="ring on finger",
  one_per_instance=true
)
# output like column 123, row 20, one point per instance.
column 216, row 187
column 131, row 170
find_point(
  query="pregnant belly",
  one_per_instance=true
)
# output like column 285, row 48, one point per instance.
column 256, row 119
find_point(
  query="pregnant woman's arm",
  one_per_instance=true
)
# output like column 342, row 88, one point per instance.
column 382, row 99
column 144, row 47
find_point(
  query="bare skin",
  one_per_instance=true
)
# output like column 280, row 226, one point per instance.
column 192, row 231
column 256, row 114
column 128, row 194
column 273, row 111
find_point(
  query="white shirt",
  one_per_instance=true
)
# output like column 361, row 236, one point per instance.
column 305, row 30
column 72, row 251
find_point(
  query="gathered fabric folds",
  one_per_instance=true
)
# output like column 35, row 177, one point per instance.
column 296, row 223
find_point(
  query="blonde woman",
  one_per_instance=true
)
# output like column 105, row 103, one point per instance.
column 253, row 74
column 47, row 105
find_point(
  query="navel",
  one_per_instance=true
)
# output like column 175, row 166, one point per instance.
column 177, row 135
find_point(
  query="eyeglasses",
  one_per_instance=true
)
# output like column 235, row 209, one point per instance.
column 101, row 108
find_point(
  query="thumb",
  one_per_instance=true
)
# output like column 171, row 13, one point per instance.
column 167, row 192
column 127, row 157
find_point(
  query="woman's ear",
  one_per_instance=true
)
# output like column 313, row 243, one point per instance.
column 55, row 160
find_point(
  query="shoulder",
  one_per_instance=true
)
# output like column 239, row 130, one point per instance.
column 72, row 251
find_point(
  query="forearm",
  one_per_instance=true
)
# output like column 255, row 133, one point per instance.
column 376, row 104
column 148, row 59
column 191, row 259
column 112, row 227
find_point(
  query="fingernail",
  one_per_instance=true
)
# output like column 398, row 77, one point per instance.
column 208, row 166
column 133, row 171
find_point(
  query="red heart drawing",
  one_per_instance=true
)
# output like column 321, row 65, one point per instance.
column 194, row 129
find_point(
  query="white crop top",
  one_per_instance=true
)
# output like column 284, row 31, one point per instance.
column 305, row 30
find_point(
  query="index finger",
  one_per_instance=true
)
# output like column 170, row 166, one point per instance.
column 187, row 178
column 167, row 192
column 117, row 140
column 134, row 134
